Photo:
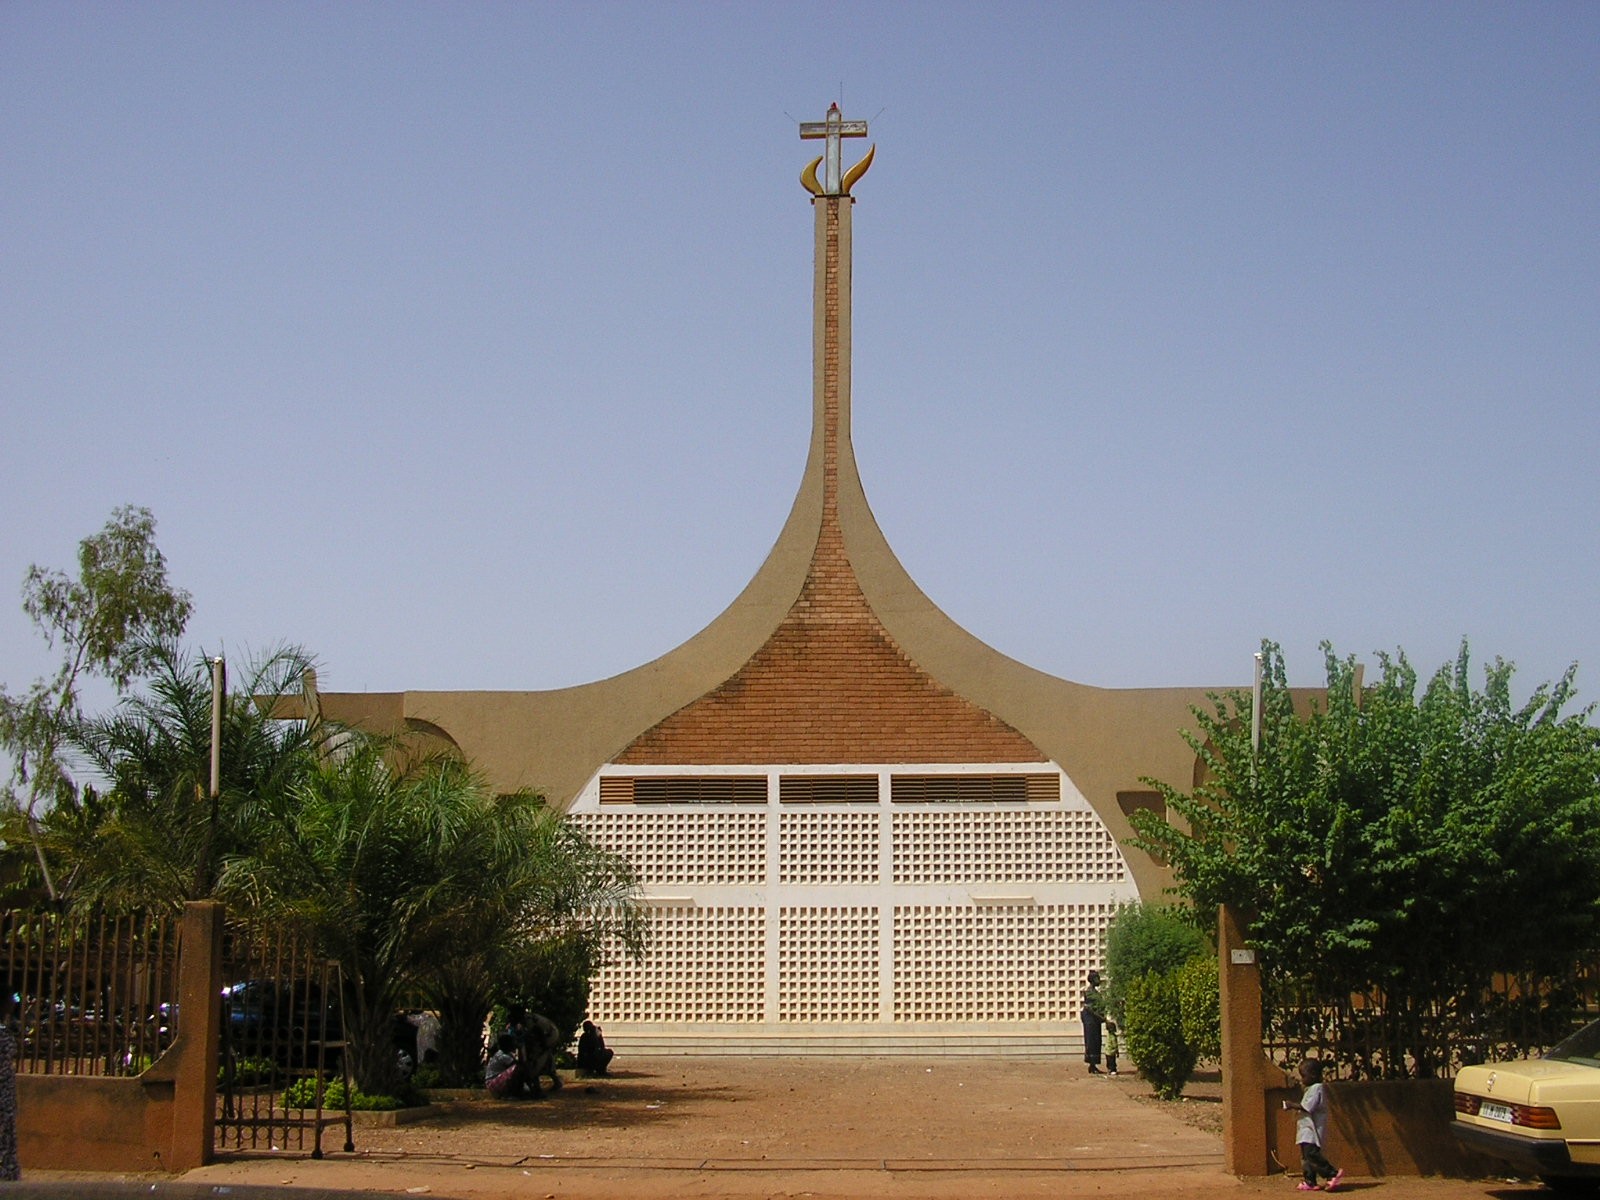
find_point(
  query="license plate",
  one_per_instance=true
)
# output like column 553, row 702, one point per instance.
column 1495, row 1112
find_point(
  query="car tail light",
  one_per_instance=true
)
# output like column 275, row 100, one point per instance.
column 1534, row 1118
column 1524, row 1116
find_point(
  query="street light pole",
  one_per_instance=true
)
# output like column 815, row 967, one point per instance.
column 219, row 689
column 1255, row 712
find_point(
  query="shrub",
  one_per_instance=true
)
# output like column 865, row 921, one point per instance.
column 1153, row 1028
column 247, row 1072
column 428, row 1075
column 1200, row 1003
column 1145, row 939
column 556, row 985
column 302, row 1093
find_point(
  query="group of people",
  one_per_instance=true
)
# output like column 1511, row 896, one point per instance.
column 1311, row 1128
column 524, row 1055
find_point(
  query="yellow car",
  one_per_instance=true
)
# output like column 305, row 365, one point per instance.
column 1542, row 1115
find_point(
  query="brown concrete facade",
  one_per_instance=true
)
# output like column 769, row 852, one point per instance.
column 831, row 653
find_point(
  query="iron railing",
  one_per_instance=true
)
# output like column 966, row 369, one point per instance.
column 1365, row 1033
column 282, row 1043
column 93, row 994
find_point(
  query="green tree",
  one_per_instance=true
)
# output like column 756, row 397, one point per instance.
column 104, row 623
column 151, row 836
column 400, row 867
column 1416, row 844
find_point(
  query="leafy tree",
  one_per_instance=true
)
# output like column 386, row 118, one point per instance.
column 1147, row 938
column 399, row 867
column 153, row 837
column 104, row 623
column 1416, row 844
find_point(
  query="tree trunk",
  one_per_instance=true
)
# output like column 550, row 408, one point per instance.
column 461, row 1038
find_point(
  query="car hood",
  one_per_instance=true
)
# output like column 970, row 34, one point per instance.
column 1529, row 1081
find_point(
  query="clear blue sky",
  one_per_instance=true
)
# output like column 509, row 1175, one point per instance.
column 468, row 345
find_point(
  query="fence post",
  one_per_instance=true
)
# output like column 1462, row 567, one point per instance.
column 200, row 1029
column 1246, row 1072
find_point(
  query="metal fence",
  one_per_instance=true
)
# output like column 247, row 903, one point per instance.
column 93, row 994
column 1365, row 1034
column 282, row 1044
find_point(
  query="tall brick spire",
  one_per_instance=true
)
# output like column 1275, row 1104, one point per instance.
column 830, row 685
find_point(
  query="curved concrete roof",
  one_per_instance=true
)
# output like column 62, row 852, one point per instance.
column 1104, row 739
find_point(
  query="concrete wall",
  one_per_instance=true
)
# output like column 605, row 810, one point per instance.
column 161, row 1121
column 89, row 1123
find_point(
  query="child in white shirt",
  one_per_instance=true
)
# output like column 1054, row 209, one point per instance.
column 1312, row 1130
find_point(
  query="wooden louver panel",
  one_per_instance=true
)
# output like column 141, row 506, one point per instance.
column 828, row 789
column 974, row 789
column 683, row 789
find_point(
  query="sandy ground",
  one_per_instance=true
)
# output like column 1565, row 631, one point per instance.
column 828, row 1128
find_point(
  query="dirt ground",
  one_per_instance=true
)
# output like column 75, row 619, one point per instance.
column 825, row 1128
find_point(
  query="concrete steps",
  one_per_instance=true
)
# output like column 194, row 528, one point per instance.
column 748, row 1040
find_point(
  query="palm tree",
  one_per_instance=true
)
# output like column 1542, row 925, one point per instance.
column 151, row 836
column 556, row 907
column 398, row 866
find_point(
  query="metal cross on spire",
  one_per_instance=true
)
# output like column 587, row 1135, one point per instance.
column 834, row 129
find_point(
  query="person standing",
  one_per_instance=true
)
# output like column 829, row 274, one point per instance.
column 1311, row 1131
column 1093, row 1017
column 9, row 1167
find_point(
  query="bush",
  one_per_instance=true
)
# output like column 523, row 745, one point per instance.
column 1200, row 1002
column 302, row 1093
column 1153, row 1030
column 428, row 1075
column 248, row 1072
column 1146, row 939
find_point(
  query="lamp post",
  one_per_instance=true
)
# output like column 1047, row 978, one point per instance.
column 219, row 687
column 1255, row 712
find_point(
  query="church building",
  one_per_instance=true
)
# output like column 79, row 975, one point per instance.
column 856, row 827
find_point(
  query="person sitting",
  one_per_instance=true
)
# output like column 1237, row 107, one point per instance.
column 506, row 1075
column 593, row 1056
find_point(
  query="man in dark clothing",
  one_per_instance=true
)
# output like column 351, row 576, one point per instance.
column 593, row 1056
column 1093, row 1016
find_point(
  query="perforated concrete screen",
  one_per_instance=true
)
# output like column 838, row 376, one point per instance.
column 841, row 904
column 1004, row 845
column 700, row 965
column 828, row 847
column 684, row 846
column 828, row 964
column 988, row 964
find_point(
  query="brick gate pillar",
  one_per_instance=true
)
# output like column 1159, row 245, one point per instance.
column 1247, row 1073
column 194, row 1112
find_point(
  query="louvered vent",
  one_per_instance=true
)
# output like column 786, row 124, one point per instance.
column 974, row 789
column 828, row 789
column 688, row 789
